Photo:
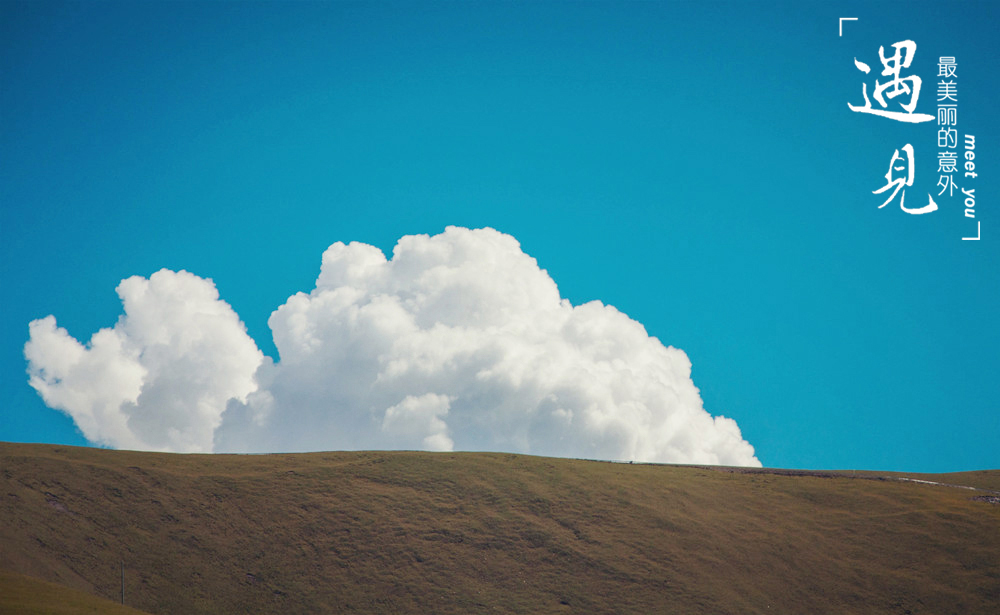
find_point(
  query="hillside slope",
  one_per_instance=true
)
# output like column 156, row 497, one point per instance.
column 399, row 532
column 28, row 596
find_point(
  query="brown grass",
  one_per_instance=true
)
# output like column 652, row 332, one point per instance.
column 400, row 532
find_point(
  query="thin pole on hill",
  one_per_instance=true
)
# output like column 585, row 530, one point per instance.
column 123, row 581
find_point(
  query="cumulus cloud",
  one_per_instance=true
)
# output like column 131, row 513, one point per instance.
column 160, row 378
column 458, row 342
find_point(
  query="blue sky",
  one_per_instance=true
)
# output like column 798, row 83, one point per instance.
column 693, row 164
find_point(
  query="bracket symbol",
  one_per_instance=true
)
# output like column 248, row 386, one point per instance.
column 978, row 233
column 842, row 20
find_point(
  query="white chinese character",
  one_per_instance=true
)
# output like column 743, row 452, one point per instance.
column 947, row 116
column 948, row 137
column 900, row 182
column 946, row 66
column 947, row 162
column 947, row 183
column 892, row 67
column 947, row 90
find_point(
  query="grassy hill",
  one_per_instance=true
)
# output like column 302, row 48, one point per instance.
column 400, row 532
column 28, row 596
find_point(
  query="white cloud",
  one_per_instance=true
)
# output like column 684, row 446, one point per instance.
column 160, row 378
column 419, row 418
column 460, row 341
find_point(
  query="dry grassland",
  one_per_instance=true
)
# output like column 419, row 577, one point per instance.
column 405, row 532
